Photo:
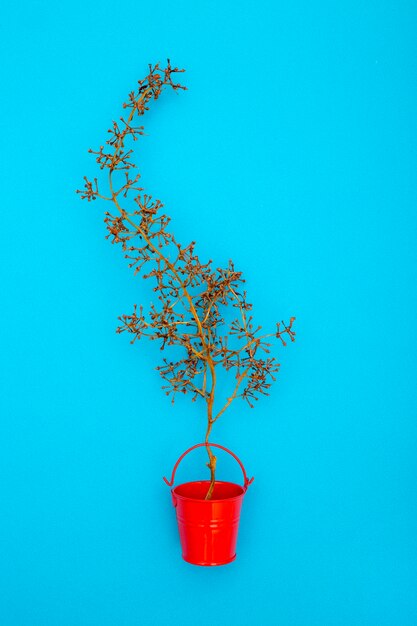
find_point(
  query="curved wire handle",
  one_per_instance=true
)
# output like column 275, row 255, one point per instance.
column 247, row 481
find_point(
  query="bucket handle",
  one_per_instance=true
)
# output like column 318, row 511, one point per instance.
column 247, row 481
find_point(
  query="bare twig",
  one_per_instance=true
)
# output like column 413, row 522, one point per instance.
column 190, row 293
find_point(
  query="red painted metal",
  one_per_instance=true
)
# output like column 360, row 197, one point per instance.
column 208, row 528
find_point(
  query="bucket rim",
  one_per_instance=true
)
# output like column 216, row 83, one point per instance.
column 207, row 482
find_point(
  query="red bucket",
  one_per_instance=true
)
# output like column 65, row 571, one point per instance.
column 208, row 528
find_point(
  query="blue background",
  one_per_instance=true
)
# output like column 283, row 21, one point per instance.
column 294, row 153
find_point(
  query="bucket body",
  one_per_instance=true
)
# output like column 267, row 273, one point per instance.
column 208, row 528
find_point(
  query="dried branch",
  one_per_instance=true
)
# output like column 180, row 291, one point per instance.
column 191, row 295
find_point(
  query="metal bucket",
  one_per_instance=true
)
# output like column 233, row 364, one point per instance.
column 208, row 528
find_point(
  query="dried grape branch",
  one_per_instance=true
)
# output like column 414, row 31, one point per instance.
column 191, row 295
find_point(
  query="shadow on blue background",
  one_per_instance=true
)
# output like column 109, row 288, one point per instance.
column 294, row 153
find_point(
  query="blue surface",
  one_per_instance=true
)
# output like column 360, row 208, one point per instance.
column 294, row 153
